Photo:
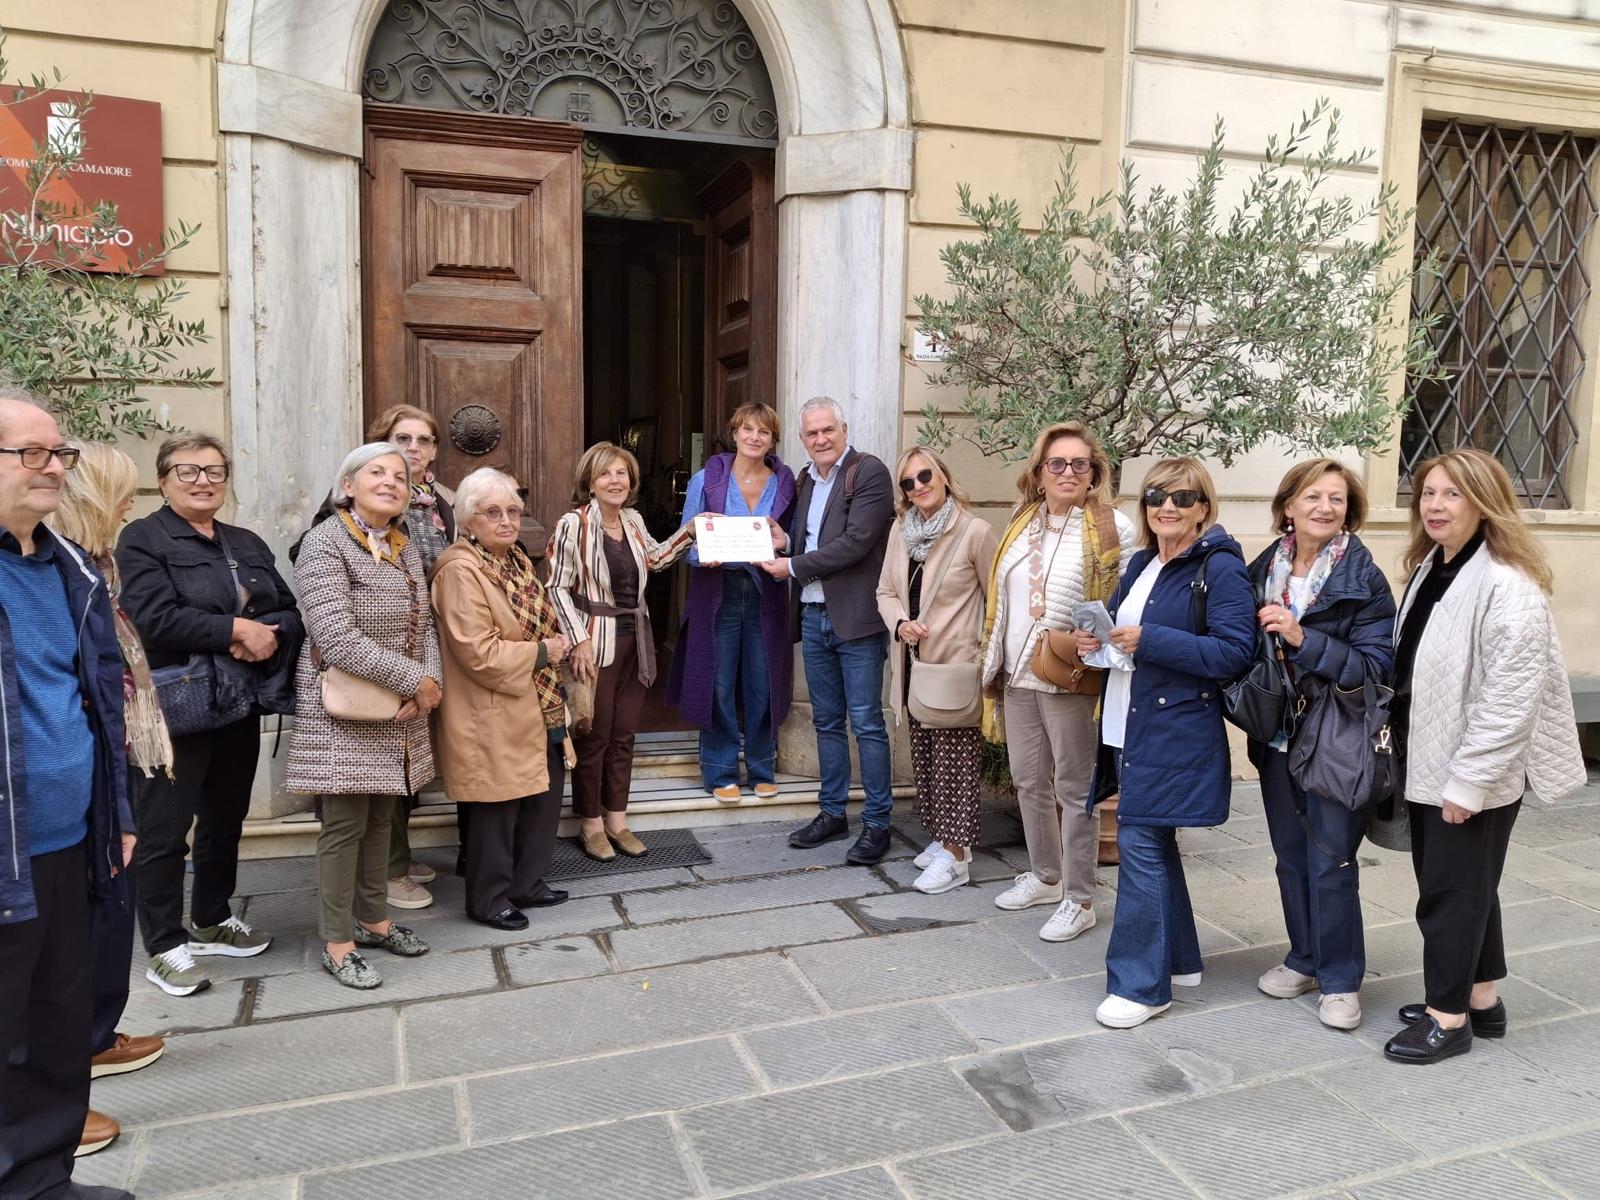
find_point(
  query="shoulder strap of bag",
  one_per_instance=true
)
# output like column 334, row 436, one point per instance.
column 233, row 570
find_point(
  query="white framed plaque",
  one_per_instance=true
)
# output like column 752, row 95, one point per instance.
column 723, row 539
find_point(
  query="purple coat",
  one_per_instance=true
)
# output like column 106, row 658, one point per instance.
column 693, row 677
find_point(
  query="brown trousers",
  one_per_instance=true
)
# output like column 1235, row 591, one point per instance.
column 353, row 863
column 1051, row 741
column 605, row 754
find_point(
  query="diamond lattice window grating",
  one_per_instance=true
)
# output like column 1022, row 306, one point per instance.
column 1509, row 212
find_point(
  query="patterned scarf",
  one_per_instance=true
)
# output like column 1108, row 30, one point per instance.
column 385, row 544
column 514, row 572
column 149, row 745
column 1282, row 571
column 921, row 533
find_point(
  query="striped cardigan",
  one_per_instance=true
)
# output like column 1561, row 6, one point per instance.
column 577, row 558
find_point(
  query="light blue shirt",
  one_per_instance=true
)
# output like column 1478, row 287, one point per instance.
column 694, row 503
column 821, row 489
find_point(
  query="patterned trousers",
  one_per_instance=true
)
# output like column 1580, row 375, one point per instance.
column 946, row 765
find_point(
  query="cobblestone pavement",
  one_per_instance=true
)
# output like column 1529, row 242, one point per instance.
column 784, row 1026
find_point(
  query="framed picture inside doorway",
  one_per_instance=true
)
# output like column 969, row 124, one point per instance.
column 639, row 437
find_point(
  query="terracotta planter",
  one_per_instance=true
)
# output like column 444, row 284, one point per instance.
column 1108, row 832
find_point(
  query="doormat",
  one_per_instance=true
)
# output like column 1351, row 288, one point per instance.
column 668, row 848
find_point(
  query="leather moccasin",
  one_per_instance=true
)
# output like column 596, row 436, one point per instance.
column 1427, row 1041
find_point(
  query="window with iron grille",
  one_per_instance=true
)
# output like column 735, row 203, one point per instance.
column 1508, row 211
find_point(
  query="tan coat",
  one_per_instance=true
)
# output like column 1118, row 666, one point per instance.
column 954, row 616
column 490, row 740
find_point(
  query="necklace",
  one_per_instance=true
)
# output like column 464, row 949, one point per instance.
column 1061, row 528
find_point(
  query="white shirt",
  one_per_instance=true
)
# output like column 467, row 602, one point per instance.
column 1299, row 588
column 1019, row 622
column 821, row 489
column 1119, row 684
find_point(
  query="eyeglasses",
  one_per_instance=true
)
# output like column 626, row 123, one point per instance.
column 922, row 477
column 1059, row 466
column 191, row 472
column 37, row 458
column 494, row 514
column 422, row 441
column 1182, row 498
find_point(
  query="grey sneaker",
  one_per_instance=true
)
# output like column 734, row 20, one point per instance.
column 1285, row 983
column 232, row 939
column 403, row 893
column 399, row 940
column 176, row 973
column 353, row 972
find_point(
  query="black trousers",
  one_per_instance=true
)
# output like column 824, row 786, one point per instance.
column 113, row 956
column 45, row 1000
column 1458, row 904
column 210, row 788
column 510, row 844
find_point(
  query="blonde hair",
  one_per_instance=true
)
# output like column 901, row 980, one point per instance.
column 1174, row 475
column 941, row 472
column 383, row 424
column 1303, row 475
column 91, row 493
column 597, row 458
column 1031, row 489
column 1487, row 487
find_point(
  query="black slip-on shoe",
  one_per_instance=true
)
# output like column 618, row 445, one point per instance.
column 1486, row 1022
column 870, row 847
column 506, row 918
column 822, row 828
column 1426, row 1041
column 548, row 898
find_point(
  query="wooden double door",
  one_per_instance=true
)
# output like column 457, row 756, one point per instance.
column 472, row 230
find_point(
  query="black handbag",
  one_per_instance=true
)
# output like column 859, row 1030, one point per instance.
column 196, row 696
column 1344, row 750
column 1262, row 701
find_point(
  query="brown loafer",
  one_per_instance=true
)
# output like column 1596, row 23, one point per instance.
column 597, row 846
column 99, row 1131
column 624, row 841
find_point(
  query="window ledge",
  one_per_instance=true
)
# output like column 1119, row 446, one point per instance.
column 1575, row 519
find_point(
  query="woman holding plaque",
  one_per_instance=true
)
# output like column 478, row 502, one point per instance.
column 734, row 643
column 600, row 557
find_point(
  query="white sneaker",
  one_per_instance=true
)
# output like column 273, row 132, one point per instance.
column 1340, row 1010
column 1067, row 922
column 943, row 875
column 1192, row 979
column 925, row 860
column 1125, row 1014
column 1285, row 983
column 1027, row 891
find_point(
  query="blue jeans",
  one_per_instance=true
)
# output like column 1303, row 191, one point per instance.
column 1152, row 935
column 1321, row 900
column 847, row 676
column 741, row 673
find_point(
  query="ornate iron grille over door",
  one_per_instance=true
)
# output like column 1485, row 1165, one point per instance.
column 644, row 66
column 1509, row 212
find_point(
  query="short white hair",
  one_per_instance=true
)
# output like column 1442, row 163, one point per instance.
column 358, row 458
column 818, row 403
column 478, row 487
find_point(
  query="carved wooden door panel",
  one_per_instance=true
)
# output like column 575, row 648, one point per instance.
column 741, row 293
column 472, row 235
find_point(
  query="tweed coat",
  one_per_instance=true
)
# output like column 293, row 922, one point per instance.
column 356, row 610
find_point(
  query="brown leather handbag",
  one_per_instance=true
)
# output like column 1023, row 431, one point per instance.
column 1055, row 661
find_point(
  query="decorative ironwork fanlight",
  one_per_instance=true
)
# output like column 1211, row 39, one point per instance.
column 644, row 66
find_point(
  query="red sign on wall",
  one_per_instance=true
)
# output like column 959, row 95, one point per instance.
column 120, row 141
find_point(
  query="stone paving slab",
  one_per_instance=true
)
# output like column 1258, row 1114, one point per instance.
column 983, row 866
column 854, row 1044
column 445, row 933
column 1574, row 977
column 749, row 895
column 912, row 966
column 257, row 1064
column 1571, row 1162
column 553, row 961
column 1568, row 1049
column 150, row 1010
column 1272, row 1037
column 834, row 1125
column 1036, row 1013
column 262, row 875
column 1548, row 922
column 636, row 1159
column 594, row 1016
column 1246, row 1143
column 1486, row 1175
column 769, row 851
column 873, row 1183
column 189, row 1157
column 626, row 881
column 432, row 975
column 1078, row 1162
column 738, row 933
column 914, row 910
column 544, row 1099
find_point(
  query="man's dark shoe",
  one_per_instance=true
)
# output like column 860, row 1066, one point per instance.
column 1486, row 1022
column 548, row 898
column 506, row 918
column 870, row 847
column 823, row 828
column 1427, row 1041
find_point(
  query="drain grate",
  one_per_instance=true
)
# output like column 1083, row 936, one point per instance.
column 668, row 848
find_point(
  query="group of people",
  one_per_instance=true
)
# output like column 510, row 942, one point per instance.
column 421, row 639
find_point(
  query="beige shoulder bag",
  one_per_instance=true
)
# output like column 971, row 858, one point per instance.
column 945, row 695
column 347, row 697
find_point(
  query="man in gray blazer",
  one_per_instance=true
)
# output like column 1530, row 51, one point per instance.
column 841, row 522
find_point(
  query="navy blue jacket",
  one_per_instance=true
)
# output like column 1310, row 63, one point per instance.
column 1349, row 628
column 100, row 678
column 1175, row 764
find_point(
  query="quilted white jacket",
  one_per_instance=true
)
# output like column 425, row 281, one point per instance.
column 1491, row 707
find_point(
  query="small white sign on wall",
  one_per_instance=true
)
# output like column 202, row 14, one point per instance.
column 926, row 348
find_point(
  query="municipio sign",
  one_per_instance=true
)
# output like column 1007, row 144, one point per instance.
column 120, row 141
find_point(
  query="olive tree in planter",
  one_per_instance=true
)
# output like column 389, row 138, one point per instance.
column 85, row 343
column 1170, row 326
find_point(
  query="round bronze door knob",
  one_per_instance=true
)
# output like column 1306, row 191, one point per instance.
column 474, row 429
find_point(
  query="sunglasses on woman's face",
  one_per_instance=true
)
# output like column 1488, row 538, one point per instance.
column 921, row 479
column 1060, row 466
column 1182, row 498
